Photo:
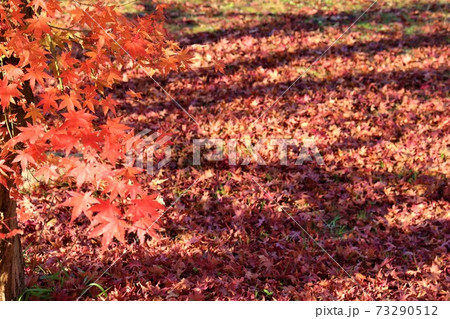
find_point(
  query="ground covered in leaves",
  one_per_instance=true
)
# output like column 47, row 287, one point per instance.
column 372, row 222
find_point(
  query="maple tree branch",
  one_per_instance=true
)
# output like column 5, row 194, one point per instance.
column 7, row 125
column 66, row 29
column 115, row 5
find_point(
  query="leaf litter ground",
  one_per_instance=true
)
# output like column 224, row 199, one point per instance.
column 377, row 106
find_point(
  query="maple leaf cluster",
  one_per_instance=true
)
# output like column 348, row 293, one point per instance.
column 71, row 137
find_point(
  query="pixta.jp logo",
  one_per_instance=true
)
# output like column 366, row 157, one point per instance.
column 141, row 149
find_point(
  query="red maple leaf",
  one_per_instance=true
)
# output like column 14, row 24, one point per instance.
column 30, row 134
column 144, row 207
column 48, row 100
column 4, row 170
column 47, row 172
column 7, row 92
column 81, row 202
column 38, row 25
column 36, row 74
column 70, row 101
column 24, row 159
column 79, row 119
column 108, row 223
column 81, row 172
column 12, row 72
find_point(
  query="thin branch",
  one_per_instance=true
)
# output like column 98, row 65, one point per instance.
column 66, row 29
column 108, row 4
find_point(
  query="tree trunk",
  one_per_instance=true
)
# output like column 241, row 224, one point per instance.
column 11, row 260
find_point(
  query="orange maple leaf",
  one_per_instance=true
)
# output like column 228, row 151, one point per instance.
column 7, row 93
column 38, row 25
